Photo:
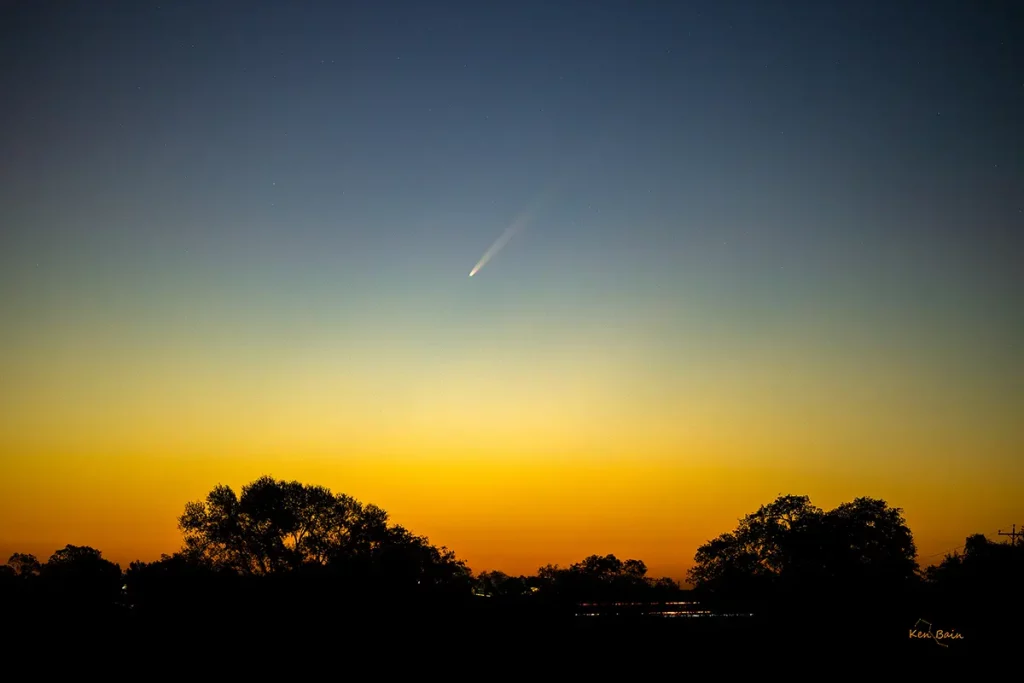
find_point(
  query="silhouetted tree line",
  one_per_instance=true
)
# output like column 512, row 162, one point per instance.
column 853, row 571
column 286, row 553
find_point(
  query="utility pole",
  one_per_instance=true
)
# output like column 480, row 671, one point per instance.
column 1013, row 534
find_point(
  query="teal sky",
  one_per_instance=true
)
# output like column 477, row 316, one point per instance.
column 799, row 221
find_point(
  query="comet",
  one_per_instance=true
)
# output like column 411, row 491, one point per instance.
column 518, row 224
column 531, row 210
column 509, row 233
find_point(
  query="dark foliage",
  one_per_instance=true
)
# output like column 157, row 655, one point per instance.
column 286, row 560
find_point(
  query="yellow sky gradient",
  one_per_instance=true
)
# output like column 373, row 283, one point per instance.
column 513, row 460
column 765, row 261
column 515, row 454
column 509, row 514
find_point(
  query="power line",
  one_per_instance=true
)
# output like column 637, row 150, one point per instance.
column 1020, row 534
column 944, row 552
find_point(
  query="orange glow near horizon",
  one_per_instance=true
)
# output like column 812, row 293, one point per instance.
column 766, row 259
column 537, row 445
column 495, row 510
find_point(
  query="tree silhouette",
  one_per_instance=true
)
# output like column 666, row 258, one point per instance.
column 174, row 585
column 973, row 591
column 78, row 579
column 403, row 560
column 603, row 578
column 869, row 543
column 748, row 561
column 24, row 565
column 283, row 557
column 791, row 547
column 496, row 584
column 279, row 528
column 980, row 571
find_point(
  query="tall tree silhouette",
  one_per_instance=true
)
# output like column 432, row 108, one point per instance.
column 280, row 527
column 791, row 546
column 869, row 544
column 748, row 561
column 276, row 526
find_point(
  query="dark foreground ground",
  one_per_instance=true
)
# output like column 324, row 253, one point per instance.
column 190, row 634
column 481, row 645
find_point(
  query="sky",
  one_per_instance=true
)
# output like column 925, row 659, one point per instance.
column 755, row 249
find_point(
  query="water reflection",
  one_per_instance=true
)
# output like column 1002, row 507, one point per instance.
column 651, row 609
